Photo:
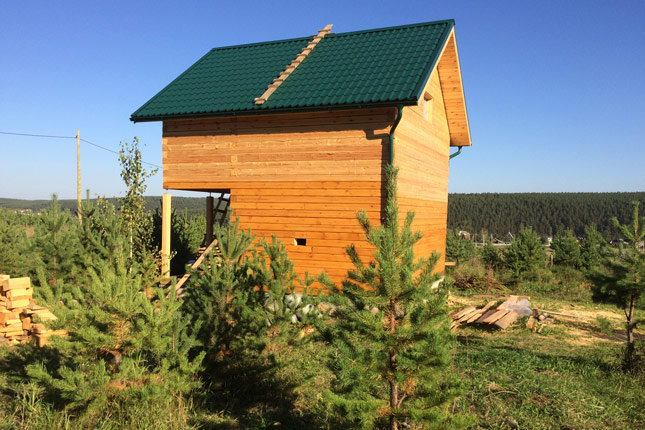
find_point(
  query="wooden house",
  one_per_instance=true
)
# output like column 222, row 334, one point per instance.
column 298, row 132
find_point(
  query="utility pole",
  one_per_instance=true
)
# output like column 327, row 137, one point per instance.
column 78, row 174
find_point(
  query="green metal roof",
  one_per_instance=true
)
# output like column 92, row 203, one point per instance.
column 384, row 66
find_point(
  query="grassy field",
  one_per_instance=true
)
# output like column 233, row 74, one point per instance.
column 567, row 376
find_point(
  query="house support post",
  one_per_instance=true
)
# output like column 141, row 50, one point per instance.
column 165, row 236
column 209, row 219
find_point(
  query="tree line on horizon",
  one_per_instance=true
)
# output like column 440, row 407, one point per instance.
column 494, row 213
column 546, row 213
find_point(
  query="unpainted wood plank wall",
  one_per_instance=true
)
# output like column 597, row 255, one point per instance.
column 304, row 175
column 421, row 152
column 299, row 176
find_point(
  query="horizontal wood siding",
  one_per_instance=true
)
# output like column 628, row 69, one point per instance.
column 299, row 176
column 421, row 151
column 322, row 213
column 323, row 146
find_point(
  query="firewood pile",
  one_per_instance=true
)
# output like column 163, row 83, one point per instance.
column 493, row 315
column 19, row 313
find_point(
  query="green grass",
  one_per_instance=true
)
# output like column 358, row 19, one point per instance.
column 566, row 377
column 520, row 379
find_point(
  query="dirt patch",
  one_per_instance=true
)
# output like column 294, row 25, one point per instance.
column 583, row 337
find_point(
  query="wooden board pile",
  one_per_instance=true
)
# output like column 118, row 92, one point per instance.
column 500, row 317
column 18, row 310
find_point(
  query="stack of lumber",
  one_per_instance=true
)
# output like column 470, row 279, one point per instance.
column 18, row 311
column 500, row 316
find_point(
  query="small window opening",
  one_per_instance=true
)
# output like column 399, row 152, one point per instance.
column 300, row 241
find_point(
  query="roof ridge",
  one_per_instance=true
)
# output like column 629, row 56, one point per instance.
column 395, row 27
column 268, row 42
column 368, row 30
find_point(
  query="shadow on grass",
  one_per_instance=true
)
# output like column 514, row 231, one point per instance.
column 252, row 395
column 531, row 358
column 14, row 360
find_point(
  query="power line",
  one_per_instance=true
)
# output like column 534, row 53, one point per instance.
column 114, row 152
column 38, row 135
column 73, row 137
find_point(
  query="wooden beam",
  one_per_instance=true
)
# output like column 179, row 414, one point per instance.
column 195, row 265
column 165, row 235
column 209, row 218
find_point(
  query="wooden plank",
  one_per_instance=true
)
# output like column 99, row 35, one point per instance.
column 196, row 264
column 494, row 316
column 18, row 292
column 12, row 328
column 15, row 304
column 467, row 315
column 45, row 315
column 16, row 284
column 506, row 320
column 165, row 235
column 461, row 313
column 8, row 316
column 486, row 314
column 475, row 316
column 530, row 323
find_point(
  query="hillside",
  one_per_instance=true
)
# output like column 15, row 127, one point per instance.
column 546, row 213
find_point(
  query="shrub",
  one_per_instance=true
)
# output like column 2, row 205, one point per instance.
column 125, row 352
column 470, row 275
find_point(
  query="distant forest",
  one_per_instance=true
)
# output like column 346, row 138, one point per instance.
column 494, row 213
column 194, row 205
column 546, row 213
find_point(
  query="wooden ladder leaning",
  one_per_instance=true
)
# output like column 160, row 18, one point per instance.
column 179, row 286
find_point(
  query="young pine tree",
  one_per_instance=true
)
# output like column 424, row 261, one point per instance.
column 224, row 301
column 526, row 255
column 592, row 249
column 391, row 341
column 55, row 246
column 13, row 241
column 124, row 349
column 458, row 248
column 621, row 280
column 566, row 249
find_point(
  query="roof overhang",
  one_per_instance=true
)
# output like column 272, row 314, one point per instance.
column 453, row 92
column 410, row 102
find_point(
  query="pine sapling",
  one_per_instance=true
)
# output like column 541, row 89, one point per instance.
column 391, row 340
column 621, row 279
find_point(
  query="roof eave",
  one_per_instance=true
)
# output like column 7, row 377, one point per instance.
column 408, row 102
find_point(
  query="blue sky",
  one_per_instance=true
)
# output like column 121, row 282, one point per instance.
column 555, row 90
